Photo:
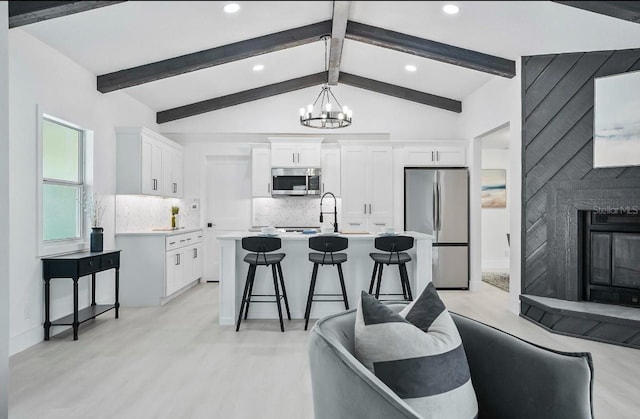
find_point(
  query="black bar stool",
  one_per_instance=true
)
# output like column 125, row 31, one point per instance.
column 395, row 246
column 328, row 245
column 262, row 246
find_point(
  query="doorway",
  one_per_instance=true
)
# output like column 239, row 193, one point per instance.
column 495, row 206
column 228, row 186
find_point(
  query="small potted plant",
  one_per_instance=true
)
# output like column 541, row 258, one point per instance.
column 174, row 212
column 94, row 208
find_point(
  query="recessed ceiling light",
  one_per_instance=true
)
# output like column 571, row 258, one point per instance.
column 411, row 68
column 258, row 67
column 231, row 8
column 450, row 9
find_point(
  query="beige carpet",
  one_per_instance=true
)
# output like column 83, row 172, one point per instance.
column 497, row 279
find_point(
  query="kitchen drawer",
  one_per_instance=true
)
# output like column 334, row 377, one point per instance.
column 110, row 261
column 175, row 241
column 88, row 265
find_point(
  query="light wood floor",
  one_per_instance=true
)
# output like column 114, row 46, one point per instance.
column 176, row 362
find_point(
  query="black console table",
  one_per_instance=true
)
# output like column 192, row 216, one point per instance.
column 74, row 266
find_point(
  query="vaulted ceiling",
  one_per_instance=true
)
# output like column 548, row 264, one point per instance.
column 184, row 58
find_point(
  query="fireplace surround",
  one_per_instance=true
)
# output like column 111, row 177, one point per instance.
column 569, row 312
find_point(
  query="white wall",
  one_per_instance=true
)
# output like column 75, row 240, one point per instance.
column 492, row 106
column 4, row 209
column 495, row 221
column 39, row 75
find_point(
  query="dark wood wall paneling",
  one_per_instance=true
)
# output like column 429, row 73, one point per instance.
column 558, row 143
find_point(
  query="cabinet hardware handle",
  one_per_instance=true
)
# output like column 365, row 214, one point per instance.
column 298, row 157
column 293, row 157
column 365, row 208
column 175, row 187
column 369, row 208
column 437, row 155
column 432, row 157
column 195, row 253
column 380, row 224
column 182, row 240
column 155, row 184
column 269, row 187
column 354, row 224
column 189, row 239
column 90, row 263
column 172, row 242
column 199, row 237
column 177, row 259
column 322, row 187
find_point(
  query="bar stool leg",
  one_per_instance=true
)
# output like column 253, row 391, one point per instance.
column 284, row 290
column 312, row 287
column 344, row 291
column 244, row 297
column 373, row 277
column 275, row 287
column 404, row 286
column 380, row 266
column 403, row 274
column 252, row 271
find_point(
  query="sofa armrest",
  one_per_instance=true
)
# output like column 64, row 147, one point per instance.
column 342, row 387
column 517, row 379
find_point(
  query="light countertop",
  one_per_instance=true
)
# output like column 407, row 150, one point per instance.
column 160, row 233
column 237, row 235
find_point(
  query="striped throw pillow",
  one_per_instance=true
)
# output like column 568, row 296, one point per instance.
column 418, row 354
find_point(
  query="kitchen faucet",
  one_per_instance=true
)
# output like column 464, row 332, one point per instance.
column 335, row 211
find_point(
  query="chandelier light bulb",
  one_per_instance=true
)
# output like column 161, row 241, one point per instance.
column 324, row 115
column 328, row 107
column 341, row 116
column 302, row 111
column 349, row 113
column 345, row 109
column 309, row 108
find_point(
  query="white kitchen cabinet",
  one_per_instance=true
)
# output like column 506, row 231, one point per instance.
column 159, row 266
column 367, row 187
column 148, row 164
column 172, row 172
column 415, row 156
column 295, row 153
column 261, row 172
column 331, row 170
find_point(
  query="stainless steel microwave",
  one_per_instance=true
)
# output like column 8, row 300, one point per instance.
column 295, row 181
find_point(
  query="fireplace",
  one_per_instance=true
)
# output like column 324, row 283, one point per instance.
column 610, row 256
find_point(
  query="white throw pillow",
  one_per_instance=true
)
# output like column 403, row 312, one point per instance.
column 418, row 354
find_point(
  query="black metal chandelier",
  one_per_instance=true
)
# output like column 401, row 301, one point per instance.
column 326, row 112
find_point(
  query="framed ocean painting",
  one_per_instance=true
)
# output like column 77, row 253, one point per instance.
column 616, row 120
column 494, row 188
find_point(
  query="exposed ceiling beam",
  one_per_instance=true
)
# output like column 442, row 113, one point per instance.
column 401, row 92
column 430, row 49
column 338, row 30
column 301, row 83
column 627, row 10
column 240, row 97
column 212, row 57
column 26, row 12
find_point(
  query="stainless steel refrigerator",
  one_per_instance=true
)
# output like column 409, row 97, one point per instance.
column 436, row 202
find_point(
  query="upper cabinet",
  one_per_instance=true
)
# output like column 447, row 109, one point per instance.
column 148, row 164
column 435, row 156
column 295, row 153
column 261, row 171
column 367, row 187
column 331, row 169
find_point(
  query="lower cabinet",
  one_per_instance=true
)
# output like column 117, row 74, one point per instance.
column 160, row 266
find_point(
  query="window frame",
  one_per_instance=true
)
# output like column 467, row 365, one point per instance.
column 75, row 244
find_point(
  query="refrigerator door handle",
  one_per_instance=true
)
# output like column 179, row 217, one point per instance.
column 435, row 204
column 438, row 203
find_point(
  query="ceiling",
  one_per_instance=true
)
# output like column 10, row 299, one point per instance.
column 134, row 33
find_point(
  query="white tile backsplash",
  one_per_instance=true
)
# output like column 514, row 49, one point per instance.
column 292, row 211
column 143, row 213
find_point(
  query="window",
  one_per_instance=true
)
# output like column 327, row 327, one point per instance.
column 62, row 182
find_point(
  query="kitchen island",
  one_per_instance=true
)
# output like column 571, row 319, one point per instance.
column 296, row 270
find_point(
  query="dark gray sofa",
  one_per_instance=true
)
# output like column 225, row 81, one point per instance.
column 513, row 379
